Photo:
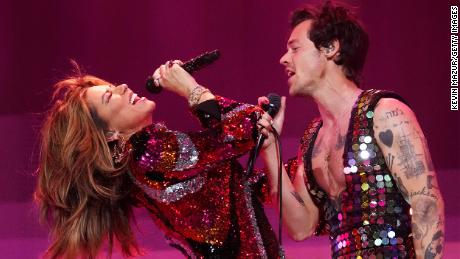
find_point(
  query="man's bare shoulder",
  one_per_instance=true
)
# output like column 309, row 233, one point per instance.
column 389, row 111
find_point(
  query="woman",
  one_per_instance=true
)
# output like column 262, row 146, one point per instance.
column 101, row 155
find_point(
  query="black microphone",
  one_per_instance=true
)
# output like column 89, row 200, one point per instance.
column 272, row 109
column 190, row 66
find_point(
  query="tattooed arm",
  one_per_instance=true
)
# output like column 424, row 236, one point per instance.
column 405, row 148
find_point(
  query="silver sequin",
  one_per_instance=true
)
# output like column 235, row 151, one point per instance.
column 188, row 154
column 174, row 192
column 233, row 112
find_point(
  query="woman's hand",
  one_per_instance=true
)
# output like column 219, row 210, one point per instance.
column 266, row 122
column 171, row 76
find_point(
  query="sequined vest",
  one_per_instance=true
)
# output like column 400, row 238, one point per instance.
column 373, row 218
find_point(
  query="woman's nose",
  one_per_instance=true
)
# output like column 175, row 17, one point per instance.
column 121, row 89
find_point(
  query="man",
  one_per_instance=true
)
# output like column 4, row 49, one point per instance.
column 363, row 174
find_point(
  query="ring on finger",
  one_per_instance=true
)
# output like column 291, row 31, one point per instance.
column 156, row 81
column 260, row 126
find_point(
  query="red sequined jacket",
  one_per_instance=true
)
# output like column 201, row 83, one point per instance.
column 195, row 189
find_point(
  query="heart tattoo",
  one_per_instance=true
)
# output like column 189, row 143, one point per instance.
column 386, row 137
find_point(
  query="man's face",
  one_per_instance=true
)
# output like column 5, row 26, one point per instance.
column 304, row 63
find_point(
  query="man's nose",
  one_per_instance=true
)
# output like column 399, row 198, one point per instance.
column 284, row 59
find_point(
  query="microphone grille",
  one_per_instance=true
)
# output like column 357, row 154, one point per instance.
column 274, row 105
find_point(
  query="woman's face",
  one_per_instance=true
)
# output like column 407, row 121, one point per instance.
column 120, row 108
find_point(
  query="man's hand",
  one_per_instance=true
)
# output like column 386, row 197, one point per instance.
column 266, row 121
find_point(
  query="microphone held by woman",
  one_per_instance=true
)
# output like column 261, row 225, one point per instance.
column 190, row 66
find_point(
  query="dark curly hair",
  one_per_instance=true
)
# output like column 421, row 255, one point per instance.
column 332, row 22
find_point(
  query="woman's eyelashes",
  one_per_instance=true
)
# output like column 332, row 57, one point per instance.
column 107, row 95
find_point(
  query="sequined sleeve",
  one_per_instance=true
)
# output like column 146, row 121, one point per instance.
column 180, row 155
column 259, row 181
column 291, row 167
column 259, row 185
column 208, row 113
column 214, row 111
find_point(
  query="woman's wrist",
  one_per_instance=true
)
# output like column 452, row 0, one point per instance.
column 198, row 95
column 206, row 96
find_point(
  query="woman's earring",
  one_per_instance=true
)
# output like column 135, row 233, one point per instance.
column 111, row 135
column 120, row 150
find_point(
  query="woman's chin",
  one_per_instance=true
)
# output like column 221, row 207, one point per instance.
column 147, row 106
column 152, row 104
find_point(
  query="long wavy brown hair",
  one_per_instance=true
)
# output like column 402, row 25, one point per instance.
column 83, row 196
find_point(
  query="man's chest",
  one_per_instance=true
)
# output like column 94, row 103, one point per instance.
column 327, row 161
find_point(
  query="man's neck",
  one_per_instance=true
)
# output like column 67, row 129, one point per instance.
column 335, row 100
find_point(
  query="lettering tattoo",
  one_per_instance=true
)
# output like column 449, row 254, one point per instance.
column 393, row 113
column 400, row 123
column 386, row 137
column 424, row 192
column 298, row 198
column 409, row 161
column 440, row 222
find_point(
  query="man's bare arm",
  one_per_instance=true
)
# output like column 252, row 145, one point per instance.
column 407, row 156
column 300, row 215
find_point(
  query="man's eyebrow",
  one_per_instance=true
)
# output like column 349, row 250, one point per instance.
column 290, row 42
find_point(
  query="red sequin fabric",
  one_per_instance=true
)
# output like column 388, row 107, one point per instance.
column 373, row 220
column 198, row 193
